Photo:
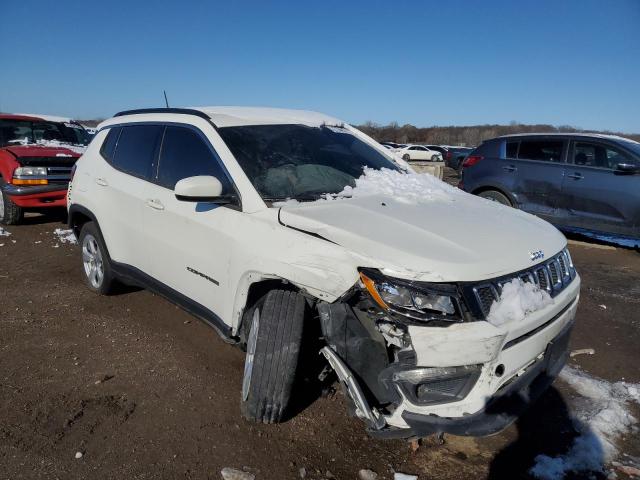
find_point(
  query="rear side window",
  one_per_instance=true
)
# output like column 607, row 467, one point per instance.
column 545, row 150
column 186, row 154
column 109, row 145
column 512, row 149
column 137, row 149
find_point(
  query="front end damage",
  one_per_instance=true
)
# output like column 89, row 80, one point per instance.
column 411, row 377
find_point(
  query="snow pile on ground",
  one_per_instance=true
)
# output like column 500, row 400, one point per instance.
column 4, row 233
column 601, row 416
column 404, row 187
column 517, row 300
column 65, row 236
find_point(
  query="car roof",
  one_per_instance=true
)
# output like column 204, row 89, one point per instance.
column 50, row 118
column 227, row 116
column 569, row 134
column 19, row 116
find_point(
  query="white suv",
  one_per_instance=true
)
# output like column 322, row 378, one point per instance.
column 272, row 224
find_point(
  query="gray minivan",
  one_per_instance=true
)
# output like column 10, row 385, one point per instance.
column 582, row 183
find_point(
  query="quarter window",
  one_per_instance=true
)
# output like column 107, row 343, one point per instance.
column 545, row 150
column 109, row 145
column 185, row 154
column 137, row 149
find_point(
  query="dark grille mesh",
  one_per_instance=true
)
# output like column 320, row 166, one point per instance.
column 486, row 297
column 554, row 273
column 542, row 279
column 563, row 266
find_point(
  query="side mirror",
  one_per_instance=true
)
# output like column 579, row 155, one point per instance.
column 627, row 168
column 203, row 188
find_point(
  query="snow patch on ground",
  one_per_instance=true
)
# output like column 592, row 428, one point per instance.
column 517, row 300
column 601, row 416
column 65, row 236
column 4, row 233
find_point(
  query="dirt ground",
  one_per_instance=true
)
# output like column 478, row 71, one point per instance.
column 144, row 390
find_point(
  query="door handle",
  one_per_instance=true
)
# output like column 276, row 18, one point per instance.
column 102, row 182
column 155, row 204
column 576, row 176
column 510, row 168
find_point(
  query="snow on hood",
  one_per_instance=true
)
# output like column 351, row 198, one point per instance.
column 51, row 144
column 416, row 226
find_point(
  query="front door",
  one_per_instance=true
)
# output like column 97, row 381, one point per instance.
column 596, row 195
column 193, row 241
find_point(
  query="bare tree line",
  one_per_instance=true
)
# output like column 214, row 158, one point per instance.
column 471, row 135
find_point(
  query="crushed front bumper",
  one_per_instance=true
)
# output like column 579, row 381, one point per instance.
column 505, row 406
column 503, row 369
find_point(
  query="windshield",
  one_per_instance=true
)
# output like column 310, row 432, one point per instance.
column 16, row 132
column 300, row 162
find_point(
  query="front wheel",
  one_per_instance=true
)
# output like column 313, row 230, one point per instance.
column 406, row 157
column 273, row 348
column 10, row 213
column 496, row 196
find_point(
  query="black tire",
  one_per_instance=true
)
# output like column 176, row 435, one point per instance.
column 10, row 213
column 496, row 196
column 271, row 362
column 93, row 246
column 406, row 157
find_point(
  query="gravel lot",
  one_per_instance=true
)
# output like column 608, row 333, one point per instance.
column 144, row 390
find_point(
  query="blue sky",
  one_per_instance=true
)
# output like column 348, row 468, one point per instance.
column 574, row 62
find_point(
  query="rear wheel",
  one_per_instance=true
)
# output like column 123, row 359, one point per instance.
column 273, row 347
column 95, row 261
column 496, row 196
column 10, row 213
column 406, row 157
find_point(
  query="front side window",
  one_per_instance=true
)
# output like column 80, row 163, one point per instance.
column 298, row 161
column 544, row 150
column 137, row 149
column 185, row 154
column 598, row 155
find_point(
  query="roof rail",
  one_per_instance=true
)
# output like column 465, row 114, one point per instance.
column 184, row 111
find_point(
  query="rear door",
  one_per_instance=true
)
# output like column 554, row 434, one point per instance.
column 536, row 167
column 120, row 190
column 595, row 195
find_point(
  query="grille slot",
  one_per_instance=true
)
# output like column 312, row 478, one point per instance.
column 554, row 273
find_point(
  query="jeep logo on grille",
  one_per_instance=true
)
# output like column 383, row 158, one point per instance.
column 537, row 255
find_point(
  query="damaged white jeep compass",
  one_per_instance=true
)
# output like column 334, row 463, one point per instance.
column 439, row 311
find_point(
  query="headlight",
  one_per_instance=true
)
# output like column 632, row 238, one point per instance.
column 30, row 172
column 418, row 301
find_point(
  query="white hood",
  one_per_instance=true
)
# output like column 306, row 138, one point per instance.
column 462, row 238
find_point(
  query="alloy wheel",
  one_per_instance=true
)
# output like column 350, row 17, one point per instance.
column 92, row 260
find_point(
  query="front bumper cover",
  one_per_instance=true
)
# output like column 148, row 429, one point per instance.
column 25, row 190
column 505, row 406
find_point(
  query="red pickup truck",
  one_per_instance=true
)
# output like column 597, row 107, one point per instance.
column 37, row 154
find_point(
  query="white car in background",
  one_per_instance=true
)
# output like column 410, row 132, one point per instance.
column 419, row 152
column 275, row 225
